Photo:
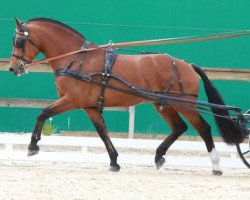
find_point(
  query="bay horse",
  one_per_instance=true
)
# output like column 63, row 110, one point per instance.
column 160, row 73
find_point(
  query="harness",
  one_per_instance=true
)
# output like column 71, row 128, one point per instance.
column 109, row 58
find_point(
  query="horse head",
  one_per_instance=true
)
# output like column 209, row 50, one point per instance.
column 24, row 49
column 50, row 37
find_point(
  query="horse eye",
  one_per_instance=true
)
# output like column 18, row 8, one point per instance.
column 19, row 43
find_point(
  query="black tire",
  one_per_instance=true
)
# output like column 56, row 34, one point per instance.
column 244, row 153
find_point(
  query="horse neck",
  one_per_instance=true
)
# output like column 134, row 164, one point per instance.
column 55, row 40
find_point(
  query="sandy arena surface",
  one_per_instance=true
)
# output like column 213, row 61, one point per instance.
column 46, row 180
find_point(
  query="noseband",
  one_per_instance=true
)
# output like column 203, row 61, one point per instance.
column 20, row 42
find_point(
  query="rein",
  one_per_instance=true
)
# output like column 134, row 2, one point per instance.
column 166, row 41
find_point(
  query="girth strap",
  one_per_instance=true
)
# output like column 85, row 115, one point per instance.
column 110, row 57
column 71, row 73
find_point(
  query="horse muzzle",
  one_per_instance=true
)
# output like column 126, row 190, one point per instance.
column 18, row 69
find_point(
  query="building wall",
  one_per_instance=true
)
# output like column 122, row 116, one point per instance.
column 130, row 20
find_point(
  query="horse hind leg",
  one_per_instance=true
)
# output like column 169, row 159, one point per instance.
column 178, row 126
column 204, row 131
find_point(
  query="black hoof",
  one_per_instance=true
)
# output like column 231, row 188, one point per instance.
column 159, row 163
column 33, row 150
column 114, row 168
column 217, row 172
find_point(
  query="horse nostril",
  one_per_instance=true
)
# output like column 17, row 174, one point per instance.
column 11, row 69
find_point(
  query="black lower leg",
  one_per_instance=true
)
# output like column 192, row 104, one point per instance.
column 36, row 135
column 178, row 126
column 108, row 144
column 205, row 133
column 101, row 129
column 163, row 147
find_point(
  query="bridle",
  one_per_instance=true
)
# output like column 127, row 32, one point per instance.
column 20, row 42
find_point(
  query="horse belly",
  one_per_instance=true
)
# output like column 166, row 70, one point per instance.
column 114, row 98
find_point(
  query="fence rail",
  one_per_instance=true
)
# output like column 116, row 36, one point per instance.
column 213, row 73
column 42, row 103
column 228, row 159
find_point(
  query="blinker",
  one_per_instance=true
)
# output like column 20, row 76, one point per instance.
column 19, row 43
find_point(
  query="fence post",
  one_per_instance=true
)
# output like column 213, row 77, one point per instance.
column 131, row 110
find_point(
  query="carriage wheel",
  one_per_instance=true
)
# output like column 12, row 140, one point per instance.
column 244, row 151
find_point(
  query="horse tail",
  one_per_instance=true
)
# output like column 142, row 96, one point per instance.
column 230, row 132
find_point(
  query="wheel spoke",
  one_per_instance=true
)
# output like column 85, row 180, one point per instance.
column 245, row 152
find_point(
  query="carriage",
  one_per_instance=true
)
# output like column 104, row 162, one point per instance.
column 90, row 77
column 244, row 152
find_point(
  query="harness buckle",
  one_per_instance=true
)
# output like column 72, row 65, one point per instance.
column 111, row 43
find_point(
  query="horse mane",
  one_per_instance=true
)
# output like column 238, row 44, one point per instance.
column 42, row 19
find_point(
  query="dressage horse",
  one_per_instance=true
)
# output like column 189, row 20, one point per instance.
column 76, row 76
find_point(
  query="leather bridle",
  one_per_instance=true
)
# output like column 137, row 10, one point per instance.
column 20, row 43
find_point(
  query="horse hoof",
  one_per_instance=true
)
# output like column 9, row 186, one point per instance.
column 114, row 168
column 33, row 150
column 217, row 172
column 159, row 163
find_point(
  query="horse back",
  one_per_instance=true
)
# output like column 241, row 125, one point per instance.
column 156, row 72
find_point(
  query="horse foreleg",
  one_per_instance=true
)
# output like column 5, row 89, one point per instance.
column 58, row 107
column 98, row 121
column 178, row 127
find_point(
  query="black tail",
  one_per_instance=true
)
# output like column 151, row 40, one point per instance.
column 231, row 133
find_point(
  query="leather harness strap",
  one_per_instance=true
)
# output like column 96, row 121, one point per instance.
column 176, row 75
column 110, row 57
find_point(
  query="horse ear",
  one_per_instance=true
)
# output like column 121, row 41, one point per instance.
column 18, row 24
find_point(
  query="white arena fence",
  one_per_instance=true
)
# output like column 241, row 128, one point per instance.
column 42, row 103
column 9, row 153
